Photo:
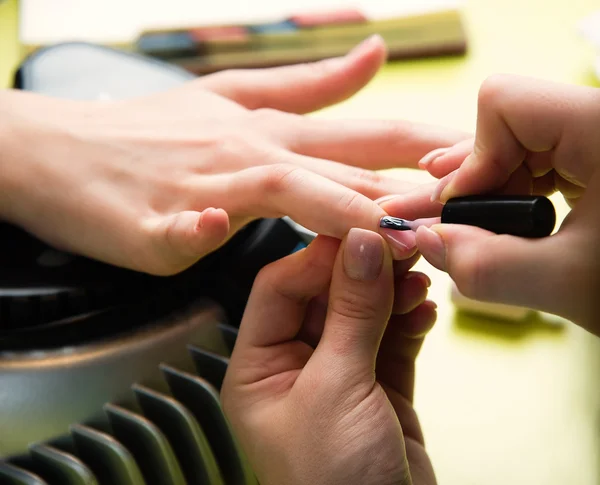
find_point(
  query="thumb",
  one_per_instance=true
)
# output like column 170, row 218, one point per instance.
column 190, row 235
column 301, row 88
column 501, row 268
column 360, row 303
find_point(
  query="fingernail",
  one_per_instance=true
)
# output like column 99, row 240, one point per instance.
column 363, row 255
column 431, row 156
column 201, row 216
column 402, row 243
column 436, row 196
column 435, row 251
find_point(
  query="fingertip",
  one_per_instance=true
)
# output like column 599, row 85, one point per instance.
column 422, row 278
column 403, row 266
column 428, row 159
column 432, row 246
column 214, row 220
column 445, row 188
column 402, row 244
column 422, row 319
column 361, row 63
column 372, row 48
column 410, row 291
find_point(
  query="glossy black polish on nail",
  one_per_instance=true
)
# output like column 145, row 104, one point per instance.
column 395, row 223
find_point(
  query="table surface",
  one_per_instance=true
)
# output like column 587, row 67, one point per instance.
column 499, row 402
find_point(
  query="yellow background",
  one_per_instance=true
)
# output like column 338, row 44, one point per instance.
column 501, row 403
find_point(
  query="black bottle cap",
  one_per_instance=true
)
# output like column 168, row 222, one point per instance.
column 523, row 216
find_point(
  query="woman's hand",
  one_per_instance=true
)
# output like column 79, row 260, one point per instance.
column 156, row 183
column 320, row 384
column 533, row 137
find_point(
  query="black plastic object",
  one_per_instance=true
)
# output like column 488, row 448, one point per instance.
column 523, row 216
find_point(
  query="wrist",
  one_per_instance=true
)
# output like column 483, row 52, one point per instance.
column 20, row 120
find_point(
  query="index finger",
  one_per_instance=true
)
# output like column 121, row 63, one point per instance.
column 281, row 293
column 517, row 115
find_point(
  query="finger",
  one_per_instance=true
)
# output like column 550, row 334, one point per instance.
column 282, row 291
column 442, row 161
column 188, row 236
column 517, row 115
column 520, row 182
column 302, row 88
column 360, row 303
column 544, row 185
column 502, row 269
column 410, row 291
column 415, row 324
column 368, row 182
column 267, row 344
column 313, row 201
column 371, row 144
column 413, row 204
column 400, row 346
column 568, row 189
column 314, row 320
column 312, row 328
column 403, row 266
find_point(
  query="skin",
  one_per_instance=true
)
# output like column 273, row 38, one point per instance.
column 532, row 137
column 320, row 384
column 155, row 183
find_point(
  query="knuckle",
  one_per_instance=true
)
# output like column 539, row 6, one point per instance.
column 367, row 179
column 355, row 305
column 476, row 273
column 232, row 146
column 279, row 177
column 266, row 116
column 398, row 130
column 267, row 277
column 492, row 89
column 352, row 204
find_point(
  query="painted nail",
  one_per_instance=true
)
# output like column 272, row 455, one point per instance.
column 437, row 192
column 402, row 243
column 431, row 156
column 363, row 255
column 435, row 251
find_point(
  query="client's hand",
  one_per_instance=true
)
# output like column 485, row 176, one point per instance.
column 320, row 384
column 155, row 183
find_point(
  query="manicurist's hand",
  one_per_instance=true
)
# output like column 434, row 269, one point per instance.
column 532, row 137
column 320, row 385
